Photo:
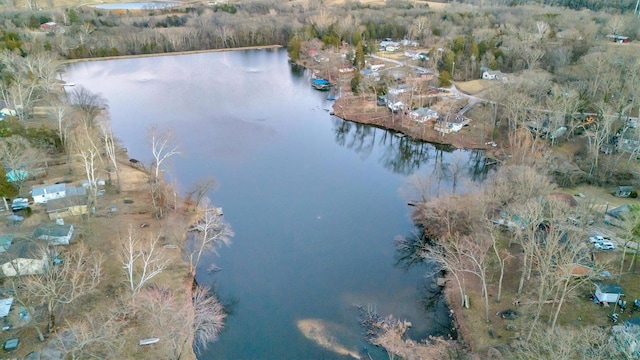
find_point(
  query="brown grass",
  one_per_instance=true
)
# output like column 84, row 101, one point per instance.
column 473, row 87
column 104, row 233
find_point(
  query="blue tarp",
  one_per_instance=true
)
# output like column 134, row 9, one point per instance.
column 17, row 175
column 320, row 81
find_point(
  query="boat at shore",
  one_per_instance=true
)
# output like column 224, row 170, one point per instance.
column 321, row 84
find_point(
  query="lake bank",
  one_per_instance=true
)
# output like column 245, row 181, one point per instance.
column 365, row 111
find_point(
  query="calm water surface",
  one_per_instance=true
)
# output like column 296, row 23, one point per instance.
column 315, row 201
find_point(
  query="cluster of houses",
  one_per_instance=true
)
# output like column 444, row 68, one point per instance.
column 390, row 45
column 28, row 253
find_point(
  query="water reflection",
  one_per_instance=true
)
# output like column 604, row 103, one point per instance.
column 401, row 155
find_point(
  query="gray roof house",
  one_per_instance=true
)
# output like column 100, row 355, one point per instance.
column 24, row 258
column 54, row 234
column 68, row 206
column 42, row 194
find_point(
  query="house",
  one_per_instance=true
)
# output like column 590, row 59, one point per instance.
column 452, row 123
column 42, row 194
column 413, row 54
column 616, row 216
column 68, row 206
column 5, row 306
column 376, row 67
column 494, row 75
column 397, row 89
column 394, row 104
column 619, row 38
column 623, row 191
column 25, row 258
column 609, row 293
column 630, row 141
column 54, row 234
column 388, row 44
column 411, row 43
column 49, row 26
column 423, row 115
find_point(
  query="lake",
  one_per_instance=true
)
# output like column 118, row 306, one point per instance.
column 315, row 201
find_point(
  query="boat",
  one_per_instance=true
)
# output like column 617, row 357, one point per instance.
column 321, row 84
column 149, row 341
column 69, row 84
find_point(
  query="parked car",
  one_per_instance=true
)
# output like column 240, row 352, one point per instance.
column 19, row 204
column 598, row 239
column 605, row 245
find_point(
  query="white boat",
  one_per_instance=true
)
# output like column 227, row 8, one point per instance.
column 69, row 84
column 149, row 341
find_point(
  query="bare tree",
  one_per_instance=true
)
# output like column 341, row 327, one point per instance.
column 179, row 323
column 60, row 112
column 90, row 155
column 90, row 104
column 110, row 148
column 77, row 275
column 162, row 147
column 209, row 232
column 199, row 190
column 97, row 336
column 209, row 315
column 16, row 153
column 141, row 260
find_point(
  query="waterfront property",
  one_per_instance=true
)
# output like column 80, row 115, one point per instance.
column 451, row 123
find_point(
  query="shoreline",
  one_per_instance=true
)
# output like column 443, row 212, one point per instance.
column 189, row 52
column 352, row 108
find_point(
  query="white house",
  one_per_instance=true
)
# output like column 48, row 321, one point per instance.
column 376, row 67
column 493, row 75
column 452, row 123
column 54, row 234
column 610, row 293
column 25, row 258
column 397, row 89
column 42, row 194
column 423, row 115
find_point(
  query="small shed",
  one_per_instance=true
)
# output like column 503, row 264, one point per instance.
column 610, row 293
column 623, row 191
